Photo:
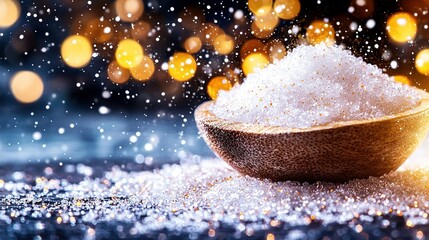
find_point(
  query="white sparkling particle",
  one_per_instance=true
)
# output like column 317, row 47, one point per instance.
column 103, row 110
column 139, row 159
column 370, row 24
column 61, row 130
column 106, row 94
column 148, row 147
column 295, row 29
column 164, row 66
column 37, row 136
column 353, row 26
column 133, row 139
column 239, row 14
column 107, row 30
column 401, row 21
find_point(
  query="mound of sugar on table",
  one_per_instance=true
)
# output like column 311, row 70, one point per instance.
column 315, row 85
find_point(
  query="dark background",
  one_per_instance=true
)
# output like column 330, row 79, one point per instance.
column 25, row 54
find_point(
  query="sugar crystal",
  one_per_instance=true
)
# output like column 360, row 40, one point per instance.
column 315, row 85
column 197, row 196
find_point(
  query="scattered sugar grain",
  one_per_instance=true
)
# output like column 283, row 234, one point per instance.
column 315, row 85
column 197, row 196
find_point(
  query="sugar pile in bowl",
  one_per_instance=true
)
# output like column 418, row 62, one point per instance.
column 315, row 85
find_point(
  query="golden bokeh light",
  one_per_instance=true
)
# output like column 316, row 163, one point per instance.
column 260, row 7
column 276, row 50
column 253, row 62
column 144, row 70
column 129, row 53
column 401, row 27
column 321, row 32
column 233, row 75
column 252, row 46
column 193, row 44
column 402, row 79
column 117, row 74
column 267, row 22
column 422, row 62
column 260, row 33
column 76, row 51
column 223, row 44
column 216, row 84
column 287, row 9
column 140, row 30
column 209, row 33
column 182, row 66
column 9, row 12
column 98, row 31
column 26, row 86
column 129, row 10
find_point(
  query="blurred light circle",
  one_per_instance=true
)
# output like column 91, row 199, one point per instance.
column 140, row 30
column 287, row 9
column 260, row 33
column 193, row 44
column 276, row 50
column 232, row 75
column 209, row 33
column 117, row 74
column 267, row 22
column 182, row 66
column 223, row 44
column 401, row 27
column 253, row 62
column 422, row 62
column 76, row 51
column 402, row 79
column 129, row 10
column 216, row 84
column 9, row 12
column 260, row 7
column 252, row 46
column 26, row 86
column 320, row 32
column 144, row 70
column 129, row 53
column 98, row 31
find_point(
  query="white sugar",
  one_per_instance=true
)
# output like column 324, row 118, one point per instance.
column 315, row 85
column 198, row 196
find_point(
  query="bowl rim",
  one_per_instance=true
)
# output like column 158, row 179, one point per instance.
column 203, row 114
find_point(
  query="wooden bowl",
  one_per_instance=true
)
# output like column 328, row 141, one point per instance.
column 335, row 152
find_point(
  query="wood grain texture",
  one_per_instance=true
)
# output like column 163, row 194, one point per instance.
column 335, row 152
